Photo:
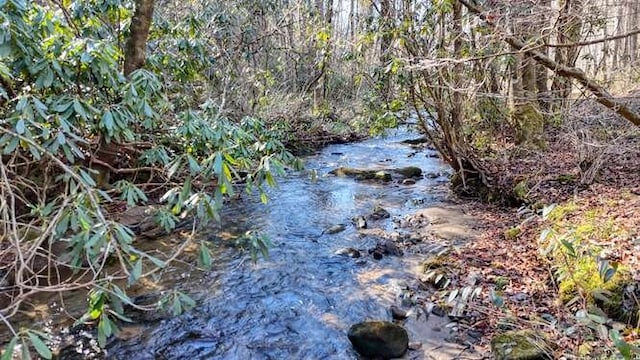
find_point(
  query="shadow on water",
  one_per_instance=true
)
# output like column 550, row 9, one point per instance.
column 299, row 303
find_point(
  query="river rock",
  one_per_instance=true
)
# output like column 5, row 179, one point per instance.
column 417, row 141
column 409, row 171
column 519, row 345
column 388, row 247
column 379, row 213
column 397, row 313
column 408, row 182
column 335, row 229
column 350, row 252
column 362, row 174
column 379, row 339
column 360, row 222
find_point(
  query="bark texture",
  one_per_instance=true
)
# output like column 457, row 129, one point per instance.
column 135, row 49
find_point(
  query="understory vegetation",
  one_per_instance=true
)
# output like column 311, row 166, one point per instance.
column 168, row 110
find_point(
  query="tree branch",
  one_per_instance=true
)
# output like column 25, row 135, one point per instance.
column 602, row 95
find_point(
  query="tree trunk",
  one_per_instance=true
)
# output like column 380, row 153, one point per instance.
column 385, row 48
column 569, row 31
column 135, row 49
column 601, row 94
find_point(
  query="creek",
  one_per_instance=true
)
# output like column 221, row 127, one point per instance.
column 300, row 302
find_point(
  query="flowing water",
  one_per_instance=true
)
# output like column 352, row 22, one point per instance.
column 299, row 303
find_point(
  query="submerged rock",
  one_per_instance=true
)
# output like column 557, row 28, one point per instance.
column 519, row 345
column 379, row 213
column 362, row 174
column 417, row 141
column 379, row 174
column 409, row 171
column 379, row 339
column 350, row 252
column 335, row 229
column 408, row 182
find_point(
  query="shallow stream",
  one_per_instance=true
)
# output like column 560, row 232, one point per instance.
column 300, row 302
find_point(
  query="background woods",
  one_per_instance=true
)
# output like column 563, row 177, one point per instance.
column 168, row 110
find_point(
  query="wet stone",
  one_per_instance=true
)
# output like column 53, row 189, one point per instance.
column 360, row 222
column 335, row 229
column 408, row 182
column 379, row 339
column 379, row 213
column 398, row 314
column 409, row 172
column 349, row 252
column 438, row 311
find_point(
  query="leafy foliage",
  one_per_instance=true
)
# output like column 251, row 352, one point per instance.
column 78, row 138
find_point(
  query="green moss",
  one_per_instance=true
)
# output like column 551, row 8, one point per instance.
column 501, row 282
column 561, row 212
column 584, row 277
column 529, row 124
column 519, row 345
column 512, row 233
column 435, row 262
column 521, row 190
column 566, row 178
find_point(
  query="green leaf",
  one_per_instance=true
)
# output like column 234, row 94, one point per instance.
column 205, row 256
column 264, row 198
column 136, row 271
column 7, row 354
column 87, row 178
column 20, row 126
column 157, row 262
column 571, row 251
column 107, row 121
column 104, row 330
column 26, row 354
column 13, row 144
column 40, row 346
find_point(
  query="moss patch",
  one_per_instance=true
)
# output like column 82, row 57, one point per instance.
column 512, row 233
column 520, row 345
column 577, row 240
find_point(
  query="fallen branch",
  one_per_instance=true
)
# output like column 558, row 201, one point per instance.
column 602, row 95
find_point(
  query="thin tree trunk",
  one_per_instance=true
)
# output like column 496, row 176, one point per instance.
column 135, row 49
column 601, row 94
column 385, row 47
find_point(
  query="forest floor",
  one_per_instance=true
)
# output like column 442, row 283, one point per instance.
column 590, row 172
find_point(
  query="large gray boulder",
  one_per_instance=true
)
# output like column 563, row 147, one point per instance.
column 379, row 339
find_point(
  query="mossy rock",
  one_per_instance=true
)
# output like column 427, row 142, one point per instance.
column 409, row 172
column 520, row 345
column 379, row 339
column 521, row 190
column 362, row 174
column 435, row 262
